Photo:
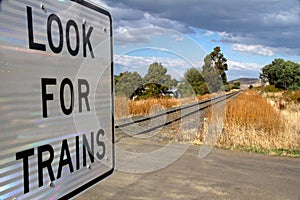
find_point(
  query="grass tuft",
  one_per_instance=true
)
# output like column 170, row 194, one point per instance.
column 253, row 124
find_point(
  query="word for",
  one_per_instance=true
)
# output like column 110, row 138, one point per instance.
column 82, row 94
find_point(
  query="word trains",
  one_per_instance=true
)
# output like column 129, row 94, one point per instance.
column 85, row 145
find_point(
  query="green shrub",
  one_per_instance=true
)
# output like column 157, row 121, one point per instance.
column 292, row 96
column 270, row 88
column 235, row 87
column 227, row 88
column 294, row 87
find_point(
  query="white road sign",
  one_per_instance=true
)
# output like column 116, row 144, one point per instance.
column 56, row 98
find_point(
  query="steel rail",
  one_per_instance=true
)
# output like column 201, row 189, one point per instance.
column 212, row 101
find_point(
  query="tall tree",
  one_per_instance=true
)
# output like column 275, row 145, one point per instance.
column 193, row 83
column 126, row 83
column 213, row 70
column 157, row 74
column 282, row 74
column 220, row 62
column 156, row 81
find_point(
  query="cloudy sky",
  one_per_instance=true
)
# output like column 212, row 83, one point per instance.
column 177, row 33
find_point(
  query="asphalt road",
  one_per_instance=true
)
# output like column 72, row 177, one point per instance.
column 221, row 175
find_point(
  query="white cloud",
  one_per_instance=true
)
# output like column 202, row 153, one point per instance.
column 283, row 17
column 125, row 35
column 209, row 33
column 234, row 65
column 178, row 38
column 176, row 67
column 242, row 70
column 254, row 49
column 224, row 34
column 129, row 35
column 136, row 26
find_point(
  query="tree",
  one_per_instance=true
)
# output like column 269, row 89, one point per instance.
column 126, row 83
column 220, row 62
column 156, row 81
column 214, row 69
column 193, row 83
column 282, row 74
column 158, row 74
column 236, row 85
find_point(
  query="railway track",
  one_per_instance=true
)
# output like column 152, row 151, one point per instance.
column 163, row 118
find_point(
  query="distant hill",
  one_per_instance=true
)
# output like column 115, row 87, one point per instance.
column 245, row 81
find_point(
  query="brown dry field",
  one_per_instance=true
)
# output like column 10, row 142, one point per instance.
column 251, row 120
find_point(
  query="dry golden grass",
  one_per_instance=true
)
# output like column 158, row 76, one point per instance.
column 121, row 107
column 250, row 110
column 144, row 107
column 125, row 107
column 205, row 96
column 188, row 100
column 251, row 121
column 212, row 95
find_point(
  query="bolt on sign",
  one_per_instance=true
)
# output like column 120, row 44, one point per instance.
column 56, row 98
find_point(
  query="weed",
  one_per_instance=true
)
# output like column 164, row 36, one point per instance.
column 292, row 96
column 268, row 88
column 253, row 124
